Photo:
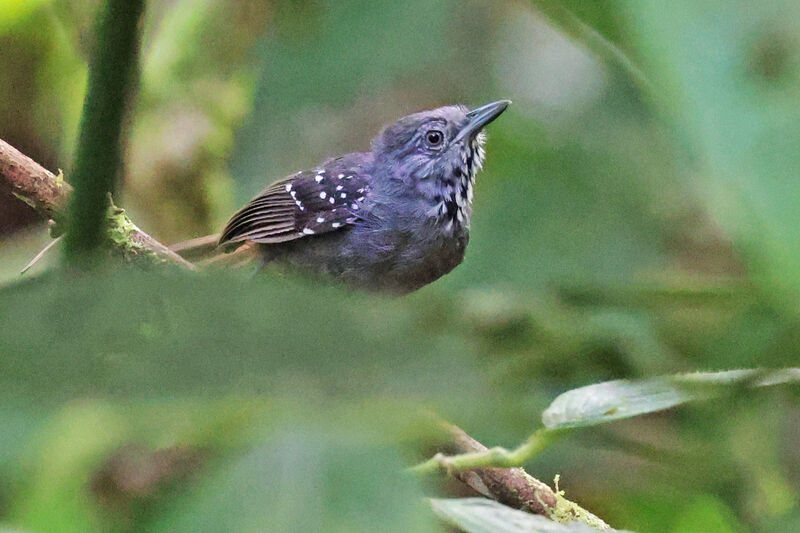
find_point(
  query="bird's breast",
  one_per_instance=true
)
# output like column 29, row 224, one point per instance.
column 453, row 206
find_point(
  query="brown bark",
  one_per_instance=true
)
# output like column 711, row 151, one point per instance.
column 511, row 486
column 32, row 183
column 49, row 194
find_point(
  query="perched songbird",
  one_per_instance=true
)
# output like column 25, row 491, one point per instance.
column 393, row 219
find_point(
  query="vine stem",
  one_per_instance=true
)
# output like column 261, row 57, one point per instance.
column 113, row 72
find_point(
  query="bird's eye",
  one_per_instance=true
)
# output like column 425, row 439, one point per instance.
column 434, row 137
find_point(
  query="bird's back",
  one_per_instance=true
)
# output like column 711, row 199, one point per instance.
column 393, row 244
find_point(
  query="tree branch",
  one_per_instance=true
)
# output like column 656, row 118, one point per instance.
column 33, row 184
column 49, row 195
column 510, row 486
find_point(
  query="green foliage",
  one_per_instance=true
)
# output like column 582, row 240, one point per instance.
column 610, row 401
column 146, row 334
column 306, row 479
column 637, row 217
column 615, row 400
column 727, row 73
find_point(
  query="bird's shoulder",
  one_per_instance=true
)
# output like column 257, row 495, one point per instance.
column 309, row 202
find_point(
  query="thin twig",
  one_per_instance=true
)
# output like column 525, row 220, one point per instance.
column 41, row 254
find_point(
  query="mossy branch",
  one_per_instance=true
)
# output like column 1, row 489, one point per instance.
column 495, row 473
column 49, row 195
column 93, row 222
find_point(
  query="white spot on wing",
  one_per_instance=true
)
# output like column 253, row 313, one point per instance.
column 288, row 187
column 308, row 231
column 320, row 220
column 323, row 195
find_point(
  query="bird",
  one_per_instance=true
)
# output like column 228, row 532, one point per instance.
column 392, row 219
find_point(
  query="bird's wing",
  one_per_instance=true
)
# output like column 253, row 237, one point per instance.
column 307, row 203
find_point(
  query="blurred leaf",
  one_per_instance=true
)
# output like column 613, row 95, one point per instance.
column 479, row 515
column 125, row 466
column 706, row 514
column 729, row 73
column 306, row 478
column 54, row 496
column 136, row 334
column 14, row 10
column 189, row 104
column 615, row 400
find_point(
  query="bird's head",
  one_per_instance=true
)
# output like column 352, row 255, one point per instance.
column 443, row 140
column 437, row 153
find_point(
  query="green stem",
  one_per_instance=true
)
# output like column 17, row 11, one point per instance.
column 112, row 74
column 594, row 41
column 496, row 457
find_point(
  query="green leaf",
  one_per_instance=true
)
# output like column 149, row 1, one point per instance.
column 727, row 73
column 479, row 515
column 15, row 10
column 306, row 477
column 134, row 334
column 54, row 496
column 708, row 514
column 614, row 400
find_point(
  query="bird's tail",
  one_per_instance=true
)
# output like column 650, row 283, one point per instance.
column 198, row 247
column 205, row 252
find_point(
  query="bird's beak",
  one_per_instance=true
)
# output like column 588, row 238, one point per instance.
column 481, row 116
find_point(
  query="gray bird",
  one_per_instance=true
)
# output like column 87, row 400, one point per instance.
column 392, row 219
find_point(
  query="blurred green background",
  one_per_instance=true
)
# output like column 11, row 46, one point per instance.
column 638, row 215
